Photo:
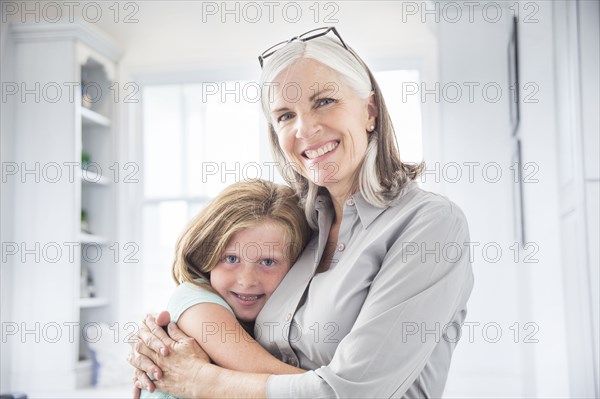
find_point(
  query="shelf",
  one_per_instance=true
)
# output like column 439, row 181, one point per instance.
column 93, row 119
column 83, row 373
column 86, row 303
column 91, row 177
column 84, row 363
column 86, row 238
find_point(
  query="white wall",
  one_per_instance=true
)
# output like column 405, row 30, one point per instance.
column 6, row 199
column 476, row 131
column 589, row 65
column 577, row 62
column 558, row 293
column 542, row 207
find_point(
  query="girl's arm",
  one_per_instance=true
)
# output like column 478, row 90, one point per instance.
column 227, row 343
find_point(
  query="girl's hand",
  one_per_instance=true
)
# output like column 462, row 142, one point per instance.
column 179, row 368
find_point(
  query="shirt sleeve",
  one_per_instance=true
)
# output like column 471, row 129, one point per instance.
column 420, row 290
column 187, row 295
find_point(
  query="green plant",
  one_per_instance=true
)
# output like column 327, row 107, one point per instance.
column 85, row 157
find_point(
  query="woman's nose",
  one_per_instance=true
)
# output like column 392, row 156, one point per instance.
column 306, row 125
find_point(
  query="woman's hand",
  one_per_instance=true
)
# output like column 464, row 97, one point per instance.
column 174, row 362
column 145, row 367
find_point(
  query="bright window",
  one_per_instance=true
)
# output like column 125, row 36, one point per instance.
column 193, row 147
column 405, row 112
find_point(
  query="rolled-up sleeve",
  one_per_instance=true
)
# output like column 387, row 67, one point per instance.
column 307, row 385
column 409, row 323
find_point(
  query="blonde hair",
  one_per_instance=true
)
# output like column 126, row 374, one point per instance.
column 241, row 205
column 382, row 175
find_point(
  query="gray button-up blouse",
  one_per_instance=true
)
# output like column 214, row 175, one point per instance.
column 383, row 320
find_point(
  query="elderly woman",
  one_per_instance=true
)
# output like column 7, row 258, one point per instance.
column 374, row 305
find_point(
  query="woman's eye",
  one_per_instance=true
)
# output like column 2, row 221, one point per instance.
column 268, row 262
column 285, row 117
column 324, row 101
column 232, row 259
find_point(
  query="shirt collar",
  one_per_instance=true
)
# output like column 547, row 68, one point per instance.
column 367, row 213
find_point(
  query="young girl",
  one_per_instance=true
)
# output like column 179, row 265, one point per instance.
column 228, row 262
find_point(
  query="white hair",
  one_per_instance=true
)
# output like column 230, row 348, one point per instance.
column 324, row 50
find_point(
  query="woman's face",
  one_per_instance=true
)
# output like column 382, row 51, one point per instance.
column 321, row 124
column 253, row 264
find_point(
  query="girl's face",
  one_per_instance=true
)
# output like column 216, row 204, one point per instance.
column 254, row 263
column 321, row 123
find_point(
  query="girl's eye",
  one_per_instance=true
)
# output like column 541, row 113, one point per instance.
column 232, row 259
column 268, row 262
column 325, row 101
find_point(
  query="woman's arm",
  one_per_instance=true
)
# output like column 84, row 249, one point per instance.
column 220, row 336
column 185, row 370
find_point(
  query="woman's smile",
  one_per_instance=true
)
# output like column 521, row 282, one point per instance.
column 317, row 152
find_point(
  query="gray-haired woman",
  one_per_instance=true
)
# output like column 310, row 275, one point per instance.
column 374, row 305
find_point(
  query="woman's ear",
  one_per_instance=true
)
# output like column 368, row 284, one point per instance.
column 372, row 109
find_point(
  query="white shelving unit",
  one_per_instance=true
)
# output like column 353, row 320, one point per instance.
column 58, row 131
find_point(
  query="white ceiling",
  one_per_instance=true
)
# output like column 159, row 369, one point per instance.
column 172, row 34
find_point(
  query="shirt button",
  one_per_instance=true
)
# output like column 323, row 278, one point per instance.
column 293, row 362
column 350, row 202
column 289, row 317
column 341, row 247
